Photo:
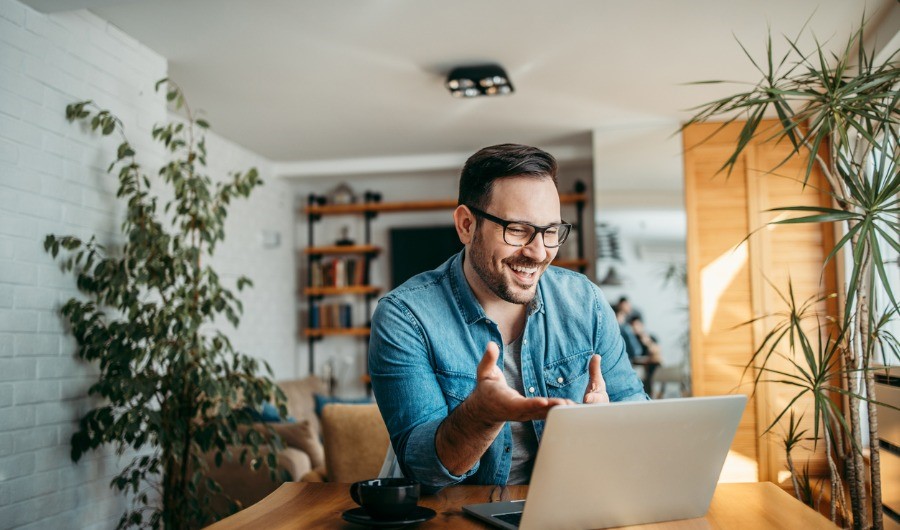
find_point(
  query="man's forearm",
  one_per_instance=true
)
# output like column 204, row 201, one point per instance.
column 463, row 438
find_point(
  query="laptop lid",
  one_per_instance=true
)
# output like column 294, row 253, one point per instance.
column 628, row 463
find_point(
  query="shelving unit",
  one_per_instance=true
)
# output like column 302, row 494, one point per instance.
column 334, row 291
column 370, row 210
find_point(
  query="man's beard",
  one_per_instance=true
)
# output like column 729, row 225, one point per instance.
column 497, row 281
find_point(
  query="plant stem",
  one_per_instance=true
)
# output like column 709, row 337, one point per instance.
column 863, row 321
column 875, row 459
column 859, row 362
column 790, row 464
column 833, row 473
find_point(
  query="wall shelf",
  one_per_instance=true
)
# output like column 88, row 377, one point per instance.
column 574, row 264
column 312, row 333
column 334, row 291
column 409, row 206
column 341, row 249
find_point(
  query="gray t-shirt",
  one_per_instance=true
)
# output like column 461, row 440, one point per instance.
column 524, row 440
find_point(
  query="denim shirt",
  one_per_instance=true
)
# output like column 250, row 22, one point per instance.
column 429, row 334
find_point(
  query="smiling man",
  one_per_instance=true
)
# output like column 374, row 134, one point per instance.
column 466, row 360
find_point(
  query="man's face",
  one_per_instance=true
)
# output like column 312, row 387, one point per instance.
column 512, row 273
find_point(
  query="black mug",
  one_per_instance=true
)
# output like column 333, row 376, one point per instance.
column 386, row 498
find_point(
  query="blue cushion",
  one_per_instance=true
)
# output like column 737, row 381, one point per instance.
column 268, row 413
column 321, row 401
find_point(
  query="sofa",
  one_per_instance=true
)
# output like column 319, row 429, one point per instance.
column 303, row 452
column 356, row 442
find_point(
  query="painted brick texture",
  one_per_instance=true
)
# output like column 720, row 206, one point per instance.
column 53, row 180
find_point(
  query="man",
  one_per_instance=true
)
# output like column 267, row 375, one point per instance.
column 623, row 312
column 647, row 351
column 466, row 360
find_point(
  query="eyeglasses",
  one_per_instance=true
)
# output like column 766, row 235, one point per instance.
column 520, row 233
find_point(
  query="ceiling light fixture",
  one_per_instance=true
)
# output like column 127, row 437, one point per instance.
column 483, row 80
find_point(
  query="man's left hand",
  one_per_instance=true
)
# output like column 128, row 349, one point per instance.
column 596, row 389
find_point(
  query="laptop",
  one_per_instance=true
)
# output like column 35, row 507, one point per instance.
column 619, row 464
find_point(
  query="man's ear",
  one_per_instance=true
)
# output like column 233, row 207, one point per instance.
column 464, row 220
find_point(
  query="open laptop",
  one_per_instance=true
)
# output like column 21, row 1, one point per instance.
column 619, row 464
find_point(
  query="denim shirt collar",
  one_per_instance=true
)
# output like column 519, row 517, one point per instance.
column 465, row 297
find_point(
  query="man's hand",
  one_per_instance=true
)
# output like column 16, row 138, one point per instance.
column 596, row 389
column 471, row 428
column 494, row 401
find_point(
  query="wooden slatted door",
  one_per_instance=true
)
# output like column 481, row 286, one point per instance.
column 733, row 278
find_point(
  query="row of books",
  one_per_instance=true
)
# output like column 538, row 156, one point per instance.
column 338, row 272
column 331, row 315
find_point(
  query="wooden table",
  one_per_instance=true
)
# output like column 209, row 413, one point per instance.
column 749, row 506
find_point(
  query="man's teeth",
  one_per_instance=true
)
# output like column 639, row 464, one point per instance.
column 523, row 270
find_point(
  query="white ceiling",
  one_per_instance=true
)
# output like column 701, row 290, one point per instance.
column 323, row 80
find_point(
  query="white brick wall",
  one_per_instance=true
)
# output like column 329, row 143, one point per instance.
column 53, row 180
column 268, row 324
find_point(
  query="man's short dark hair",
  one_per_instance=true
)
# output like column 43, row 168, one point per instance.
column 502, row 161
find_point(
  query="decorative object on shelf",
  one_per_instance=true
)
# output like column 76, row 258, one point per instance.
column 345, row 240
column 480, row 80
column 338, row 272
column 342, row 194
column 331, row 316
column 372, row 196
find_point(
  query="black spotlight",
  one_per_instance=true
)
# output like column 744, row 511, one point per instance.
column 483, row 80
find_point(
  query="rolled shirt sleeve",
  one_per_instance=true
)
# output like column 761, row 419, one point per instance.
column 408, row 394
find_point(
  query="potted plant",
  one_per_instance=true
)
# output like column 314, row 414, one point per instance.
column 171, row 388
column 840, row 112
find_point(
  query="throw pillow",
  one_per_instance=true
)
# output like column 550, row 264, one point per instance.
column 268, row 413
column 321, row 401
column 301, row 436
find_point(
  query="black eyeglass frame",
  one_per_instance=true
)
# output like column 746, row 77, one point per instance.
column 536, row 229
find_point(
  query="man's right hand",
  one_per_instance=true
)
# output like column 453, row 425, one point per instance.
column 471, row 428
column 494, row 401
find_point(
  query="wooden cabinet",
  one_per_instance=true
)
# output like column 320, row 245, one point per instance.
column 319, row 292
column 733, row 279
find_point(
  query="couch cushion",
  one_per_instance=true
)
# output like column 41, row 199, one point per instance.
column 356, row 441
column 301, row 436
column 321, row 401
column 298, row 435
column 301, row 404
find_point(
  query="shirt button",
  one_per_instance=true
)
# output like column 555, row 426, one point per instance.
column 506, row 449
column 531, row 390
column 524, row 342
column 559, row 379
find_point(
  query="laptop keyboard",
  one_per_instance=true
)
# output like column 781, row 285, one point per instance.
column 510, row 518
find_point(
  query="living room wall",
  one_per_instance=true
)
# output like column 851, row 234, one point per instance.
column 53, row 180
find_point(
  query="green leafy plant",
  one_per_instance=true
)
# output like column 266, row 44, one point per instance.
column 171, row 387
column 840, row 112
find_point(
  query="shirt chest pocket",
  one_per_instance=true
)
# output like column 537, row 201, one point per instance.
column 568, row 377
column 456, row 387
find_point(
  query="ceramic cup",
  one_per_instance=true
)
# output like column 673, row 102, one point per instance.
column 386, row 498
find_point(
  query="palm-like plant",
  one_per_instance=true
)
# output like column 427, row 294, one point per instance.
column 840, row 112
